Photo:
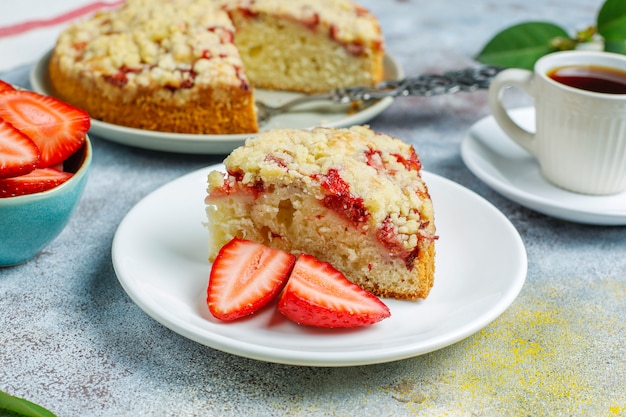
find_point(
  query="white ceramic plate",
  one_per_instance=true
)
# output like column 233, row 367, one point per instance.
column 160, row 257
column 507, row 168
column 306, row 116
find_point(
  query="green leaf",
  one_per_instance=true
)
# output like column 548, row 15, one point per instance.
column 618, row 47
column 521, row 45
column 611, row 21
column 22, row 407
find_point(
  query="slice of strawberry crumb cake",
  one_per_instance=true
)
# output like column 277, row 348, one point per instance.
column 351, row 197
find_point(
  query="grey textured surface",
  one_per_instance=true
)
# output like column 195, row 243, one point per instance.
column 73, row 341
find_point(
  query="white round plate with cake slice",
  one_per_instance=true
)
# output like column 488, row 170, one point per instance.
column 304, row 117
column 160, row 258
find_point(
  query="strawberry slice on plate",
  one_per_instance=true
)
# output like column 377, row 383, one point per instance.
column 319, row 295
column 18, row 153
column 245, row 276
column 57, row 128
column 36, row 181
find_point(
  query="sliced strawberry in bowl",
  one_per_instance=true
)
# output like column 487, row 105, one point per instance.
column 36, row 181
column 18, row 153
column 246, row 276
column 319, row 295
column 57, row 128
column 6, row 86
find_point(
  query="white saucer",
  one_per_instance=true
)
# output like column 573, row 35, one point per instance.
column 160, row 257
column 306, row 116
column 507, row 168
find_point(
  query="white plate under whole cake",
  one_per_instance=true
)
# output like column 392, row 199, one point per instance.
column 160, row 258
column 304, row 117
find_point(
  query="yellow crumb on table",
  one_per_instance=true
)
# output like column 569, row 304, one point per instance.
column 543, row 357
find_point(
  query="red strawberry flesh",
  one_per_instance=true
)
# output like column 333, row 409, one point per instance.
column 6, row 86
column 246, row 276
column 57, row 128
column 38, row 180
column 18, row 154
column 319, row 295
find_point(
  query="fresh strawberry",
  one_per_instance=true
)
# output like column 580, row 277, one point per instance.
column 319, row 295
column 36, row 181
column 18, row 154
column 6, row 86
column 57, row 128
column 246, row 276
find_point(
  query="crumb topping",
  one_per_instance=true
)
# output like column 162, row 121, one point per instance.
column 145, row 43
column 343, row 20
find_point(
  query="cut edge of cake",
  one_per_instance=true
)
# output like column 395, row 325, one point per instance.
column 308, row 47
column 175, row 66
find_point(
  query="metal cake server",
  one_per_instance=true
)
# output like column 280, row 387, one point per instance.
column 469, row 79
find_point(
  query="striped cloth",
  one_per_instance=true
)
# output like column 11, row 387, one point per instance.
column 29, row 28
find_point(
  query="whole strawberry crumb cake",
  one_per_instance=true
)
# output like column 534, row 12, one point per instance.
column 351, row 197
column 190, row 66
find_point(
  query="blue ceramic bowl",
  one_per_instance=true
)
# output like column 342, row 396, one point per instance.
column 30, row 222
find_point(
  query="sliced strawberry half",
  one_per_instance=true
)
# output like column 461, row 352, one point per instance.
column 18, row 153
column 36, row 181
column 57, row 128
column 245, row 277
column 6, row 86
column 319, row 295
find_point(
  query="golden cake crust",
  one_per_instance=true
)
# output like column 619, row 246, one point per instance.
column 200, row 114
column 351, row 197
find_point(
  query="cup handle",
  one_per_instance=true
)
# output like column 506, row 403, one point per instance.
column 512, row 77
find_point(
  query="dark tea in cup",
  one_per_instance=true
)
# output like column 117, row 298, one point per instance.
column 591, row 78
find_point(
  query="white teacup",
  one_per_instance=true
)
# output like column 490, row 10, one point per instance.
column 580, row 135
